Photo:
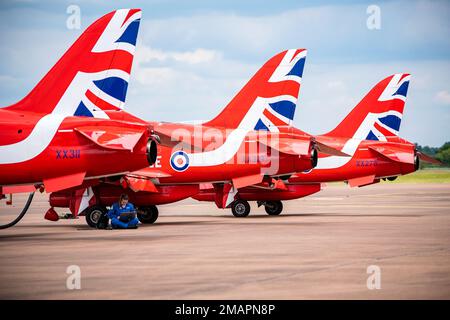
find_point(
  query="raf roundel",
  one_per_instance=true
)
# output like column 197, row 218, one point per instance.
column 179, row 161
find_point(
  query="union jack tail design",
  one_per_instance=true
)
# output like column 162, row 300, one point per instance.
column 379, row 113
column 268, row 100
column 92, row 76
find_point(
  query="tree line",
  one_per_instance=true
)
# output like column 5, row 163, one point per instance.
column 441, row 153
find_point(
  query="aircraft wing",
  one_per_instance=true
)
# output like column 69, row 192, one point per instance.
column 17, row 189
column 112, row 137
column 362, row 181
column 64, row 182
column 324, row 148
column 290, row 145
column 393, row 153
column 301, row 146
column 141, row 180
column 171, row 136
column 244, row 181
column 136, row 184
column 150, row 173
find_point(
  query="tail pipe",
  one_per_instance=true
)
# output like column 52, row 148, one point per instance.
column 152, row 149
column 416, row 161
column 314, row 156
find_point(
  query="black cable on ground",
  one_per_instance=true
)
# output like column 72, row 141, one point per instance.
column 21, row 215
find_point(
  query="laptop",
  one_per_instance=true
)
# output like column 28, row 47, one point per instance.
column 127, row 216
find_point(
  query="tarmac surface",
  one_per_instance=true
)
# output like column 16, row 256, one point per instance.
column 319, row 248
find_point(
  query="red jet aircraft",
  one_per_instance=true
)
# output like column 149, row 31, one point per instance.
column 71, row 128
column 251, row 142
column 369, row 134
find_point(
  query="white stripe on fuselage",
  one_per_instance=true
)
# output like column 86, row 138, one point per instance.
column 333, row 162
column 35, row 143
column 230, row 147
column 46, row 128
column 350, row 147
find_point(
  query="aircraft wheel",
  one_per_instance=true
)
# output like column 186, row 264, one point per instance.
column 148, row 215
column 93, row 215
column 273, row 208
column 240, row 208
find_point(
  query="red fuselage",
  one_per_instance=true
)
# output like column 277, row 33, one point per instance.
column 364, row 162
column 215, row 156
column 67, row 152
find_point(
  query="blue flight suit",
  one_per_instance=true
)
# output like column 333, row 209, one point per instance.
column 114, row 215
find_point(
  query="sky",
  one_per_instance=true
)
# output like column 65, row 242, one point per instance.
column 192, row 57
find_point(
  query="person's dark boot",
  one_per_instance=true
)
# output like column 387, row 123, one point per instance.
column 132, row 227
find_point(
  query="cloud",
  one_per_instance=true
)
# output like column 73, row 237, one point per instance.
column 155, row 76
column 338, row 32
column 199, row 55
column 183, row 85
column 443, row 97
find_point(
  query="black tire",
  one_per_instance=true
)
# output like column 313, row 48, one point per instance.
column 93, row 215
column 148, row 215
column 273, row 208
column 240, row 208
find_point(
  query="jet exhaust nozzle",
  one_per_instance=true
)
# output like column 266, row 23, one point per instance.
column 314, row 157
column 416, row 162
column 152, row 151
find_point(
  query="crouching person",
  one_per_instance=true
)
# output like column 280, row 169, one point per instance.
column 123, row 214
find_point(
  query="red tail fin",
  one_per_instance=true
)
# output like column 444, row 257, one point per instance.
column 379, row 113
column 269, row 99
column 92, row 76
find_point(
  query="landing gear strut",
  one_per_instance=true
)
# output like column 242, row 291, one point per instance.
column 147, row 215
column 240, row 208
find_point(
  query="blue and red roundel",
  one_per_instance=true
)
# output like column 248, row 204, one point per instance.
column 179, row 161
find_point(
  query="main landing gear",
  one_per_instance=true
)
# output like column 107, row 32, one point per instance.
column 241, row 208
column 146, row 215
column 93, row 214
column 273, row 208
